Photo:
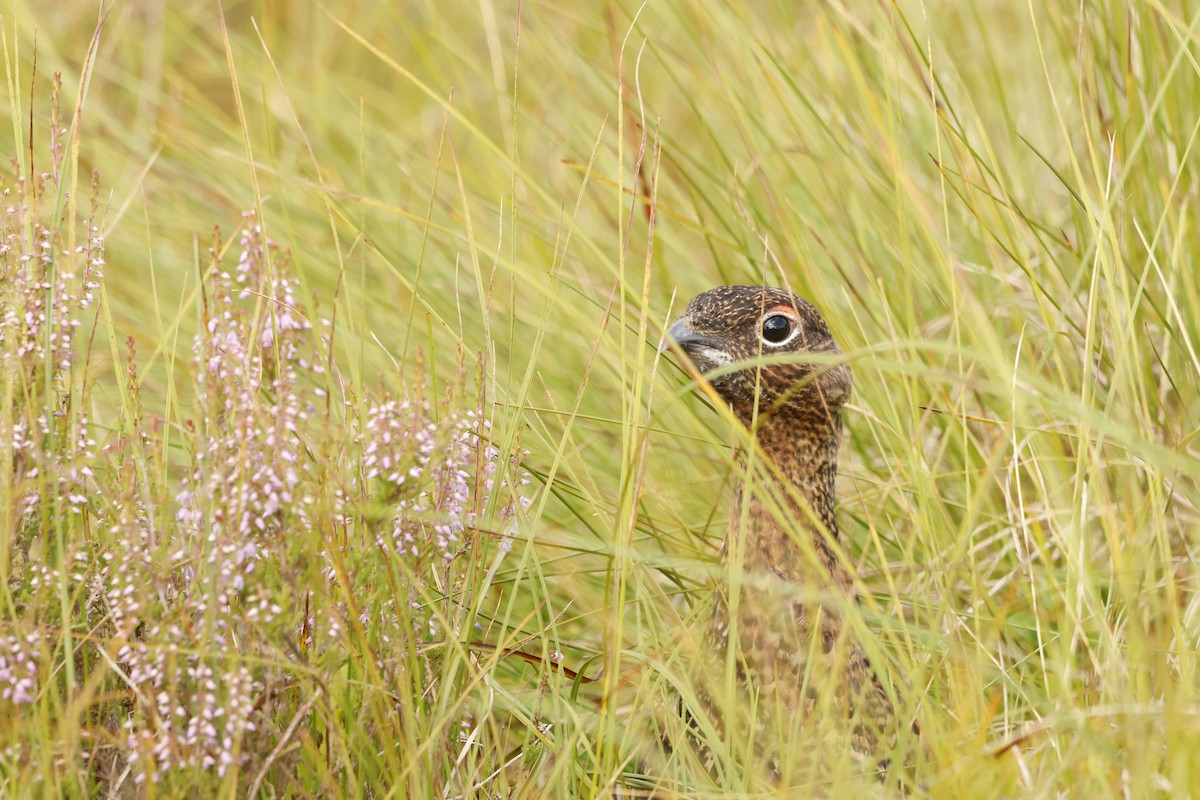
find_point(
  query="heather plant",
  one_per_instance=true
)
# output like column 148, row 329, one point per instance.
column 193, row 619
column 51, row 267
column 216, row 584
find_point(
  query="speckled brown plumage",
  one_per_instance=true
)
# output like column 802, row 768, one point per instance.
column 790, row 647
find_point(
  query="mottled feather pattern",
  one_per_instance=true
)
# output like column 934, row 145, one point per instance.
column 790, row 648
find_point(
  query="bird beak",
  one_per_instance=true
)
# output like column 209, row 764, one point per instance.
column 685, row 338
column 679, row 330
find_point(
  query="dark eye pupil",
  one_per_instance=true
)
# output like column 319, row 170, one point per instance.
column 776, row 328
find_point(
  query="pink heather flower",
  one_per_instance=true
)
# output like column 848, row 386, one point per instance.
column 19, row 656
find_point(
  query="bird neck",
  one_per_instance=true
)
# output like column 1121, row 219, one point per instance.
column 804, row 452
column 804, row 449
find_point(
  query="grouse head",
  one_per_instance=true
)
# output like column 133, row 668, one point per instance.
column 729, row 325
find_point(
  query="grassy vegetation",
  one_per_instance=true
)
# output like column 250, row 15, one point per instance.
column 382, row 489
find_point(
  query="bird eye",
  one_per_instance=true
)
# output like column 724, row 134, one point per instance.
column 777, row 329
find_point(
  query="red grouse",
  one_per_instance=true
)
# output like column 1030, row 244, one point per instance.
column 791, row 647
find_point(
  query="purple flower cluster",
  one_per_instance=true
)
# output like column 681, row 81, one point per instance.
column 46, row 281
column 444, row 472
column 247, row 465
column 19, row 668
column 51, row 266
column 444, row 482
column 247, row 486
column 46, row 285
column 197, row 714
